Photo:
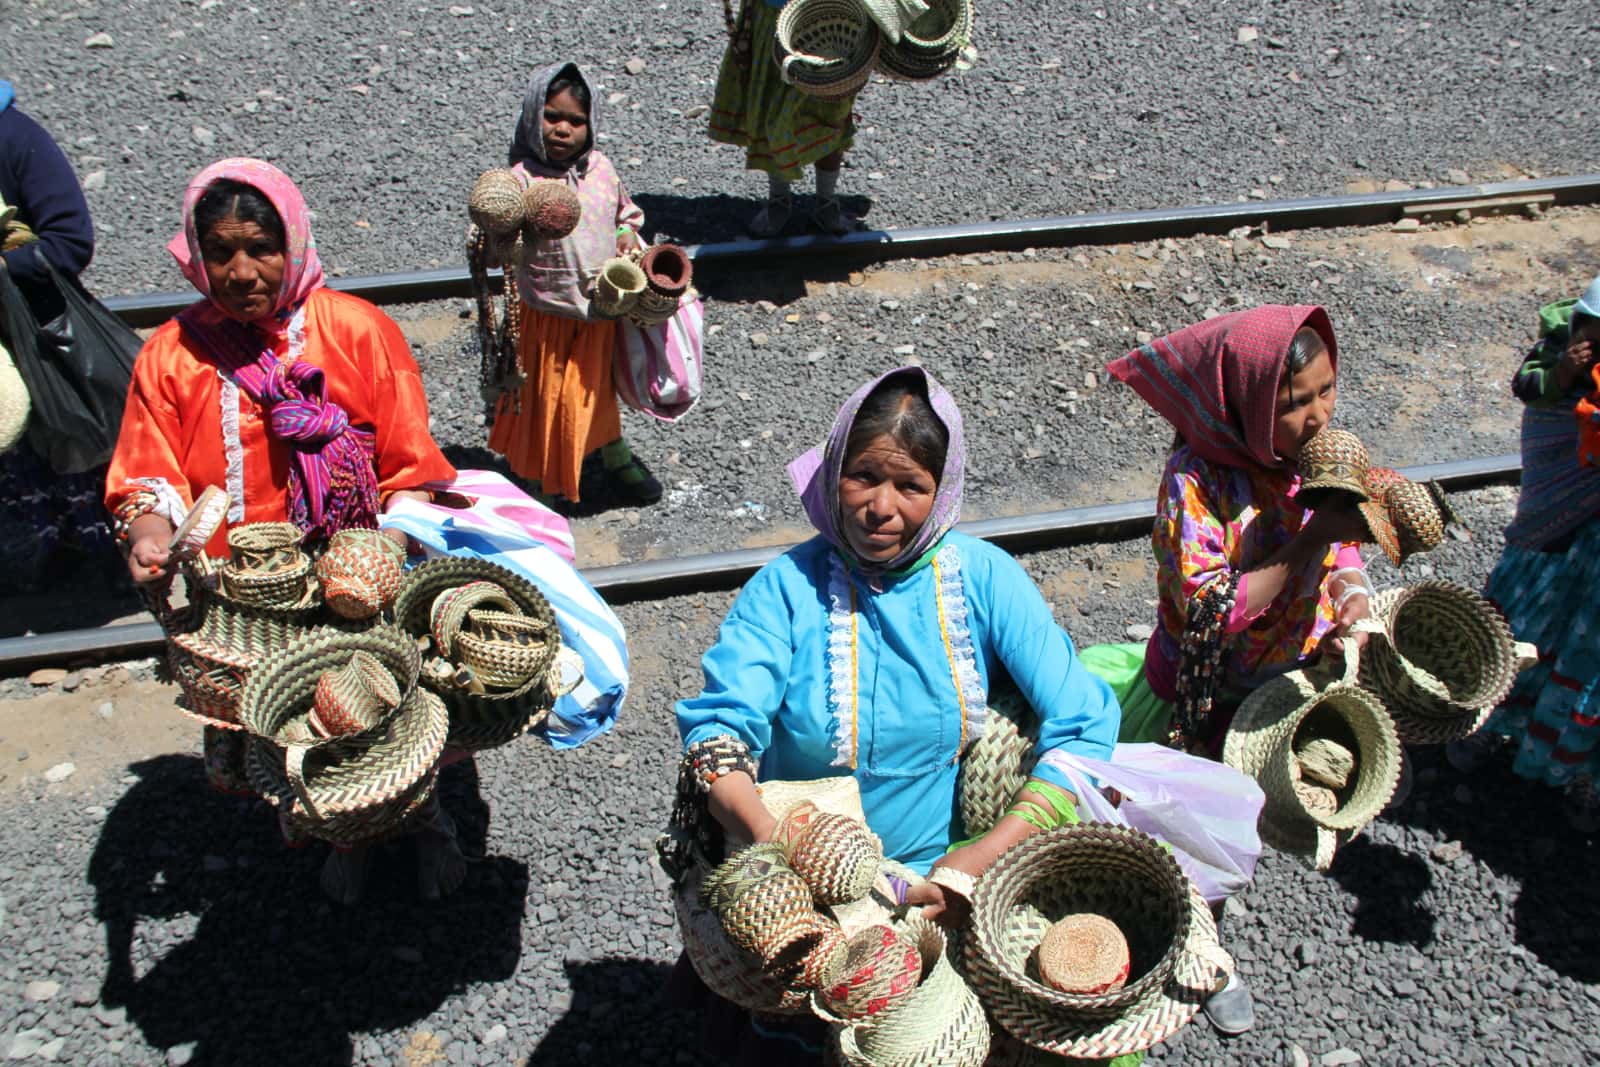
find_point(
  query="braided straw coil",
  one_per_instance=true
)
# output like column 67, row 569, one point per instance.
column 617, row 287
column 838, row 857
column 868, row 975
column 496, row 202
column 668, row 270
column 352, row 698
column 826, row 48
column 449, row 612
column 550, row 210
column 939, row 1022
column 1083, row 953
column 1439, row 656
column 1287, row 715
column 350, row 796
column 757, row 896
column 359, row 576
column 1331, row 466
column 1108, row 870
column 995, row 766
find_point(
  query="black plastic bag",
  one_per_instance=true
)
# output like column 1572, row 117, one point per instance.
column 76, row 367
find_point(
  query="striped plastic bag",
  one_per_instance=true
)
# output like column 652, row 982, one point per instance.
column 657, row 368
column 542, row 553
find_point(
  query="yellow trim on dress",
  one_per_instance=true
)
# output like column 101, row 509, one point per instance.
column 855, row 679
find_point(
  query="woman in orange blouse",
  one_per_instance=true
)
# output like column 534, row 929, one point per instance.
column 303, row 403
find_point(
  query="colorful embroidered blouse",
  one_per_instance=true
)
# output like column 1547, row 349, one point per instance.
column 558, row 276
column 821, row 674
column 1211, row 519
column 187, row 426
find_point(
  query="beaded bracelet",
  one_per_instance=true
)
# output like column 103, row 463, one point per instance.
column 134, row 506
column 692, row 836
column 1200, row 658
column 716, row 757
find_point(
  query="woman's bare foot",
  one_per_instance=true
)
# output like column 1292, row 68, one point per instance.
column 344, row 875
column 441, row 868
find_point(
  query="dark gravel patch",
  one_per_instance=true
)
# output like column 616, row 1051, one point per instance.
column 386, row 112
column 179, row 929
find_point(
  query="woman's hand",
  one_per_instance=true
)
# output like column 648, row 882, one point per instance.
column 399, row 536
column 736, row 804
column 149, row 538
column 1575, row 362
column 627, row 240
column 1356, row 608
column 944, row 905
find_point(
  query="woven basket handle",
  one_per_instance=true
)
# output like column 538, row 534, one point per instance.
column 294, row 764
column 567, row 665
column 1526, row 654
column 821, row 62
column 1218, row 957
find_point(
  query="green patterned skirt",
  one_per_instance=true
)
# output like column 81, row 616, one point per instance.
column 781, row 129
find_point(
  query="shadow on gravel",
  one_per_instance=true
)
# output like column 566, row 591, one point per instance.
column 690, row 220
column 619, row 1014
column 1518, row 830
column 272, row 973
column 1388, row 885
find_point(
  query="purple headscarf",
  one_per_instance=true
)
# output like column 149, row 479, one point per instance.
column 816, row 476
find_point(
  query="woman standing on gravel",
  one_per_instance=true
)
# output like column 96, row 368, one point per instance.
column 303, row 403
column 1548, row 577
column 1251, row 582
column 567, row 407
column 869, row 651
column 781, row 129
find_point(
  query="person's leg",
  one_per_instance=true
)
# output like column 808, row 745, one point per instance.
column 1231, row 1009
column 441, row 868
column 344, row 875
column 829, row 214
column 774, row 215
column 627, row 475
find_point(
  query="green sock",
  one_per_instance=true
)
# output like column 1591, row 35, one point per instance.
column 618, row 460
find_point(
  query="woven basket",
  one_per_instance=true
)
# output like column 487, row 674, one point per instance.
column 1331, row 466
column 211, row 677
column 448, row 614
column 263, row 546
column 1439, row 656
column 868, row 975
column 826, row 48
column 652, row 309
column 495, row 203
column 350, row 796
column 506, row 650
column 1419, row 512
column 1083, row 953
column 731, row 972
column 668, row 271
column 995, row 766
column 359, row 577
column 1108, row 870
column 285, row 586
column 281, row 693
column 353, row 698
column 931, row 44
column 617, row 287
column 840, row 795
column 1285, row 715
column 757, row 897
column 551, row 210
column 940, row 1022
column 838, row 857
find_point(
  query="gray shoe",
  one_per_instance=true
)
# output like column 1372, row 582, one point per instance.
column 829, row 217
column 1231, row 1010
column 771, row 219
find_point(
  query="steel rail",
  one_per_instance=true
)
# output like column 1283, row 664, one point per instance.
column 1111, row 227
column 653, row 579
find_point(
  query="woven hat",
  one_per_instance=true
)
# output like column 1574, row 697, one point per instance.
column 826, row 48
column 837, row 856
column 931, row 44
column 351, row 795
column 617, row 286
column 479, row 718
column 1286, row 716
column 668, row 270
column 496, row 203
column 551, row 210
column 15, row 404
column 1113, row 871
column 995, row 766
column 360, row 577
column 940, row 1022
column 1331, row 467
column 1440, row 657
column 199, row 525
column 1083, row 953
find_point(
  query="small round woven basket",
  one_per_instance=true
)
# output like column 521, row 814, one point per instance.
column 932, row 42
column 264, row 546
column 939, row 1022
column 617, row 287
column 1332, row 465
column 199, row 525
column 506, row 650
column 826, row 48
column 668, row 270
column 551, row 210
column 349, row 796
column 995, row 766
column 496, row 203
column 450, row 608
column 1439, row 656
column 838, row 858
column 757, row 896
column 353, row 698
column 359, row 576
column 288, row 585
column 1419, row 512
column 1083, row 953
column 733, row 973
column 869, row 975
column 1113, row 871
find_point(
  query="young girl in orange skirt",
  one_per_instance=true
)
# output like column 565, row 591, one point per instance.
column 566, row 408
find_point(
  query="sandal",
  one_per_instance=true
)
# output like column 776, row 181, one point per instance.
column 830, row 217
column 772, row 218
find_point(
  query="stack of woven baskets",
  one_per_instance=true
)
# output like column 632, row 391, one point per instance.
column 645, row 287
column 829, row 48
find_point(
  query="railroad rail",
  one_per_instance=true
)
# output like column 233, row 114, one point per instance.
column 1113, row 227
column 652, row 579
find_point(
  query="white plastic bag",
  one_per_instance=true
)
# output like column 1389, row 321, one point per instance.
column 1205, row 810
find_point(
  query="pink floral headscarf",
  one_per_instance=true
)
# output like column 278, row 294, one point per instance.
column 302, row 274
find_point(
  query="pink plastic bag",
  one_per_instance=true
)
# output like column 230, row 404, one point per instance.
column 498, row 511
column 657, row 368
column 1206, row 811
